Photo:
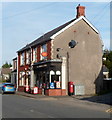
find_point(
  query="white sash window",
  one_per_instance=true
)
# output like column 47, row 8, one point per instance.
column 35, row 54
column 22, row 59
column 28, row 57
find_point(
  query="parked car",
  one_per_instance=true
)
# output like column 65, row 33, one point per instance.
column 8, row 88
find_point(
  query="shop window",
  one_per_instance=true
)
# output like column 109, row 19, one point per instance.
column 58, row 73
column 55, row 77
column 58, row 78
column 43, row 49
column 52, row 78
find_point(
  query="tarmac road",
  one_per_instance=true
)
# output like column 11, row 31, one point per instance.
column 16, row 106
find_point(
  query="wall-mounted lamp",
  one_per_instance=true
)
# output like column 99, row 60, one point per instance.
column 58, row 49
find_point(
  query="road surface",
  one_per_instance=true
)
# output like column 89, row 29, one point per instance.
column 15, row 106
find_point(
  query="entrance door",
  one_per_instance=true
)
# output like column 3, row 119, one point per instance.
column 40, row 79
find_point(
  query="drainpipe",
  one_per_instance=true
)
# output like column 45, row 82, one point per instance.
column 17, row 75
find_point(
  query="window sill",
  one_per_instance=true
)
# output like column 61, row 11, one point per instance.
column 22, row 65
column 27, row 63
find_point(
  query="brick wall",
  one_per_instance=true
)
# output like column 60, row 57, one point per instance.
column 21, row 88
column 21, row 68
column 38, row 53
column 49, row 50
column 25, row 66
column 55, row 92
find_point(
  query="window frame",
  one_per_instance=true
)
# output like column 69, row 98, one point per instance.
column 22, row 59
column 43, row 50
column 35, row 54
column 28, row 57
column 21, row 78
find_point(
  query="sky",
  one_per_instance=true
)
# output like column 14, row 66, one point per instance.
column 111, row 26
column 23, row 22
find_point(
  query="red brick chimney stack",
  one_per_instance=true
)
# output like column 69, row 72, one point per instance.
column 80, row 11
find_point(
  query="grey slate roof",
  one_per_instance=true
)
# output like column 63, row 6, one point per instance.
column 14, row 58
column 45, row 37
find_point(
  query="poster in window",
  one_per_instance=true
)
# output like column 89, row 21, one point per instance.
column 52, row 85
column 58, row 85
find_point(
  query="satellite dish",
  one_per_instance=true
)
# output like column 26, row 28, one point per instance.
column 72, row 43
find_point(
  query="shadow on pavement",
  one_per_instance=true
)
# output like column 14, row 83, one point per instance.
column 104, row 99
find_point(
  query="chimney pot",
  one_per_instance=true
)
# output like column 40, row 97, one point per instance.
column 80, row 11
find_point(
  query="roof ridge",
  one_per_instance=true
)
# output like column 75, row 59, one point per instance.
column 47, row 35
column 56, row 31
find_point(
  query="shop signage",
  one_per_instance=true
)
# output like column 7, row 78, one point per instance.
column 52, row 85
column 27, row 88
column 44, row 54
column 41, row 66
column 58, row 85
column 35, row 90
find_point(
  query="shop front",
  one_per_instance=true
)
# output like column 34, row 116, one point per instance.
column 48, row 78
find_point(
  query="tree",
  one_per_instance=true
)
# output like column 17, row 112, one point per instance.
column 10, row 64
column 6, row 65
column 108, row 62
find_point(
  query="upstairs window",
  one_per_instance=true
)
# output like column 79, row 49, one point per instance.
column 14, row 64
column 28, row 57
column 43, row 49
column 34, row 54
column 22, row 59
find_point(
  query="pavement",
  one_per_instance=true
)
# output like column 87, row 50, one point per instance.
column 101, row 99
column 102, row 102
